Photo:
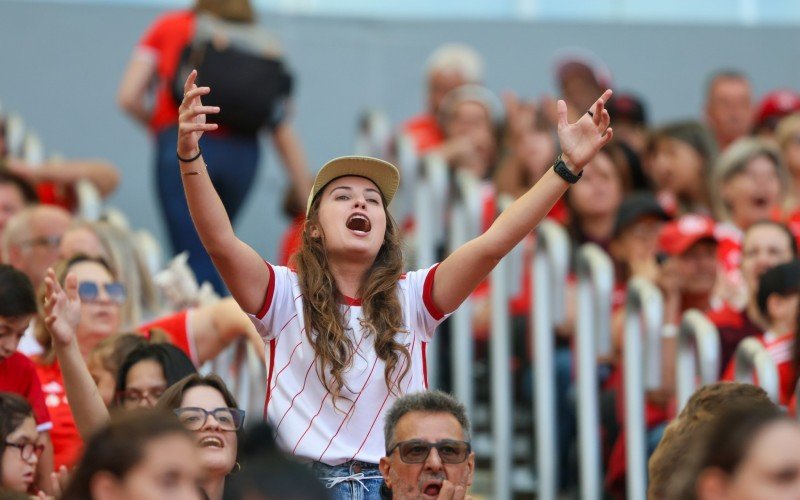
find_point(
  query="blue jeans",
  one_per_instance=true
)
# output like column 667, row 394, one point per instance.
column 363, row 481
column 231, row 163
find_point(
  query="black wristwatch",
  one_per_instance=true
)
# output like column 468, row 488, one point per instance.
column 564, row 172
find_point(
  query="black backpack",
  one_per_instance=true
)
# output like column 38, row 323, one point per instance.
column 251, row 90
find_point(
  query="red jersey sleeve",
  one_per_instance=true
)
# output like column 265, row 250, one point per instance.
column 177, row 328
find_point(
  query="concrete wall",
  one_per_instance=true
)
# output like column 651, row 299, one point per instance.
column 61, row 65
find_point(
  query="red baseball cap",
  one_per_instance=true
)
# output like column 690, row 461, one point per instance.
column 775, row 105
column 679, row 235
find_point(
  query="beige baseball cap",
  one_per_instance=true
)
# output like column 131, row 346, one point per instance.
column 382, row 173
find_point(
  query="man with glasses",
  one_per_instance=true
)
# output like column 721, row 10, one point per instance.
column 30, row 243
column 428, row 450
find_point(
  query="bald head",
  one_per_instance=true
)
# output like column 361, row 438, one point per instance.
column 31, row 237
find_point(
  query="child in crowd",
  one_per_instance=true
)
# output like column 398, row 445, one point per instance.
column 17, row 372
column 20, row 445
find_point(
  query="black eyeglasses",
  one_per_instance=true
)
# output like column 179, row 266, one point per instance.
column 416, row 451
column 229, row 419
column 89, row 291
column 134, row 397
column 26, row 450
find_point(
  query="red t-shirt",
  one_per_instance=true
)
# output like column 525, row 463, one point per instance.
column 733, row 327
column 60, row 196
column 780, row 349
column 425, row 131
column 67, row 443
column 163, row 42
column 18, row 375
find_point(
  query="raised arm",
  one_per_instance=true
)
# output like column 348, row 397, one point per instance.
column 103, row 175
column 62, row 309
column 132, row 92
column 216, row 326
column 242, row 269
column 294, row 159
column 459, row 274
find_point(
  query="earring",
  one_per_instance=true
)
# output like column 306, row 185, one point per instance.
column 237, row 467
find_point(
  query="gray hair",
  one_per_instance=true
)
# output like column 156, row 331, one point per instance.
column 425, row 402
column 457, row 58
column 735, row 159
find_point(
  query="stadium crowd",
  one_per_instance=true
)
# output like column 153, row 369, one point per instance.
column 103, row 390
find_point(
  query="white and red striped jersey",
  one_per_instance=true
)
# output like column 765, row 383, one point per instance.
column 307, row 422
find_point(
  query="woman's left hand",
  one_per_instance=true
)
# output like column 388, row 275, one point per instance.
column 62, row 308
column 581, row 140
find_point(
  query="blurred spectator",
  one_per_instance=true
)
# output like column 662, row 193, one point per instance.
column 689, row 276
column 148, row 371
column 20, row 447
column 15, row 194
column 194, row 399
column 268, row 474
column 428, row 451
column 765, row 245
column 118, row 247
column 692, row 424
column 594, row 202
column 232, row 157
column 680, row 158
column 772, row 109
column 629, row 116
column 787, row 135
column 449, row 66
column 108, row 355
column 778, row 298
column 750, row 184
column 141, row 454
column 729, row 107
column 31, row 239
column 17, row 372
column 581, row 77
column 745, row 453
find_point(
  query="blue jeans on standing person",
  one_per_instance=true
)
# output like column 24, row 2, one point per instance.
column 231, row 162
column 352, row 480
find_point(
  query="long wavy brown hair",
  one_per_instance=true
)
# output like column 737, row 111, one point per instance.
column 324, row 322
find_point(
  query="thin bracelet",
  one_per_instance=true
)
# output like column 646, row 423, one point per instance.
column 195, row 172
column 193, row 158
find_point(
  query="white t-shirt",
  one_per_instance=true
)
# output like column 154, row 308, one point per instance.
column 297, row 404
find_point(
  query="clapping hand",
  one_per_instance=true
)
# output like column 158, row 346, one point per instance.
column 581, row 140
column 62, row 307
column 192, row 117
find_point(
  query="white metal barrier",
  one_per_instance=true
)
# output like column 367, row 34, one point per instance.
column 595, row 287
column 15, row 135
column 698, row 355
column 550, row 266
column 407, row 161
column 753, row 364
column 642, row 364
column 429, row 209
column 245, row 376
column 374, row 134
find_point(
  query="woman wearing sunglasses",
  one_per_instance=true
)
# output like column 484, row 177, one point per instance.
column 19, row 444
column 206, row 407
column 96, row 318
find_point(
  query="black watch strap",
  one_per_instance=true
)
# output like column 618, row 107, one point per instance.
column 564, row 172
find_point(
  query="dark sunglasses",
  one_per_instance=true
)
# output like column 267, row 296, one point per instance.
column 193, row 418
column 416, row 451
column 89, row 291
column 26, row 450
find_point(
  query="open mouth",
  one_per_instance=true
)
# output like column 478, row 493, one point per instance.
column 211, row 442
column 432, row 489
column 760, row 202
column 359, row 223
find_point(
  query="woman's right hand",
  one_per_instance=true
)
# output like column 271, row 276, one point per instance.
column 62, row 309
column 192, row 117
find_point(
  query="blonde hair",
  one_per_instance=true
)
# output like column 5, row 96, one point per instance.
column 324, row 322
column 787, row 127
column 734, row 160
column 457, row 58
column 125, row 259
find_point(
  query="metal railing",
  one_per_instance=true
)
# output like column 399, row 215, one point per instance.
column 593, row 337
column 644, row 316
column 754, row 365
column 550, row 266
column 698, row 356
